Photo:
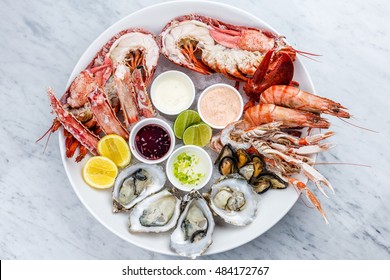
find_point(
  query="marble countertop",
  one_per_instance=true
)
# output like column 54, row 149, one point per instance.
column 41, row 216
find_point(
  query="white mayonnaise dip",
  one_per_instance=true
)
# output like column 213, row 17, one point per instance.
column 172, row 92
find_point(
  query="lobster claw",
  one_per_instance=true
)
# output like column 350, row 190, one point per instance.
column 274, row 69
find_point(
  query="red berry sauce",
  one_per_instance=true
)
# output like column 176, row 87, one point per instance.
column 152, row 141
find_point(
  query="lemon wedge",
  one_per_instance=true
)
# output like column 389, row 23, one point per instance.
column 100, row 172
column 115, row 148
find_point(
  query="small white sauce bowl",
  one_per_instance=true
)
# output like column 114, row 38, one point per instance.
column 176, row 76
column 205, row 161
column 220, row 86
column 137, row 128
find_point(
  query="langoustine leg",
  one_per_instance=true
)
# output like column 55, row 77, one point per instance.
column 104, row 114
column 72, row 125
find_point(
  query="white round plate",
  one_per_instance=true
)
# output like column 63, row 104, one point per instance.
column 273, row 205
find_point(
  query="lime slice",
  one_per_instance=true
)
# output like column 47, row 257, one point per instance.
column 198, row 134
column 185, row 120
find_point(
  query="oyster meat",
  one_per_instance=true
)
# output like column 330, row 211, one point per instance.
column 234, row 200
column 135, row 183
column 156, row 213
column 194, row 230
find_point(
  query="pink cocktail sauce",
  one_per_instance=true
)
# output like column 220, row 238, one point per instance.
column 220, row 106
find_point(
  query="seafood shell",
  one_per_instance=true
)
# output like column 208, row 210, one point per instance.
column 156, row 213
column 135, row 183
column 194, row 230
column 234, row 200
column 266, row 181
column 247, row 171
column 259, row 165
column 227, row 151
column 227, row 166
column 242, row 158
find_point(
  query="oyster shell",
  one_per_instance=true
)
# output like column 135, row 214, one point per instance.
column 135, row 183
column 234, row 200
column 156, row 213
column 194, row 230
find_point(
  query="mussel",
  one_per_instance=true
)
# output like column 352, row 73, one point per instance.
column 261, row 185
column 266, row 181
column 276, row 181
column 258, row 165
column 242, row 158
column 251, row 167
column 247, row 171
column 227, row 165
column 227, row 151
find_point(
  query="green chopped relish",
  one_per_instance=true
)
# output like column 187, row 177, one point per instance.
column 183, row 169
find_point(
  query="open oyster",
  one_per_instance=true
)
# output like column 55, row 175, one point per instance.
column 194, row 230
column 234, row 200
column 135, row 183
column 156, row 213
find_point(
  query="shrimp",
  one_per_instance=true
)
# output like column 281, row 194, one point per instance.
column 292, row 97
column 266, row 113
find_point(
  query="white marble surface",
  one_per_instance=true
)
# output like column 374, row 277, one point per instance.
column 41, row 217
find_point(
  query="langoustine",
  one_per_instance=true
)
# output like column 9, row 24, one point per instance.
column 262, row 131
column 118, row 76
column 284, row 154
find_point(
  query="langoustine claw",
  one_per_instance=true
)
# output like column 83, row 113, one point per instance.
column 310, row 196
column 317, row 178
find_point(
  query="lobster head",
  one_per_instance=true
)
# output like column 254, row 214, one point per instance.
column 276, row 68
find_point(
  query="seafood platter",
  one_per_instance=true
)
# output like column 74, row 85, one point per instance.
column 182, row 134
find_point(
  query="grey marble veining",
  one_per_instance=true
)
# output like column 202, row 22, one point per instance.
column 42, row 218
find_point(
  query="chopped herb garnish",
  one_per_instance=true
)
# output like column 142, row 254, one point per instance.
column 183, row 169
